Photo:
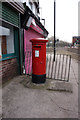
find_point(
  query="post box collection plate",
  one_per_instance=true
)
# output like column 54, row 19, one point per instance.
column 36, row 53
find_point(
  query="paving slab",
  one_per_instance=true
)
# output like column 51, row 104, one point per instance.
column 61, row 86
column 19, row 101
column 49, row 84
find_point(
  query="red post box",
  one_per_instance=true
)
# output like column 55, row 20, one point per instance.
column 38, row 60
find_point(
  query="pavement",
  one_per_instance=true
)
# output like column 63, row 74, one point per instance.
column 22, row 102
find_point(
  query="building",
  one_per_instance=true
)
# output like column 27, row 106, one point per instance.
column 33, row 28
column 18, row 24
column 10, row 39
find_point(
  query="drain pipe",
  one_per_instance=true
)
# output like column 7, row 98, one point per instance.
column 20, row 44
column 28, row 23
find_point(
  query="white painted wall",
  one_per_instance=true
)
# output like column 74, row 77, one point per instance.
column 33, row 5
column 34, row 9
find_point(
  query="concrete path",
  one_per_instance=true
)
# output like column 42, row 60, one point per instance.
column 22, row 102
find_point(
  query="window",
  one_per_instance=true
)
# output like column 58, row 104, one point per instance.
column 7, row 40
column 4, row 45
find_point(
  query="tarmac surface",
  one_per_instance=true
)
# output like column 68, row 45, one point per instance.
column 22, row 102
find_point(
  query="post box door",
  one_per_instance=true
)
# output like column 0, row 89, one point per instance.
column 37, row 59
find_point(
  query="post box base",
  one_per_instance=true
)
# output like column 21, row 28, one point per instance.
column 38, row 78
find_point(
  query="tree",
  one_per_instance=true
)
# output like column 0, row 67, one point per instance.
column 59, row 43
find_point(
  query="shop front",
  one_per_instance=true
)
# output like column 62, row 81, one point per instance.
column 9, row 41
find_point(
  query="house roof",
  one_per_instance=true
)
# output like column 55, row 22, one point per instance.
column 37, row 4
column 28, row 13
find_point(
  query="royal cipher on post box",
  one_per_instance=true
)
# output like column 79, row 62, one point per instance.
column 38, row 60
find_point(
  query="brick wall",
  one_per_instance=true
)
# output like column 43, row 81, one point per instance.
column 9, row 69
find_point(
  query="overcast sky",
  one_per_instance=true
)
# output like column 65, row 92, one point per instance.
column 66, row 18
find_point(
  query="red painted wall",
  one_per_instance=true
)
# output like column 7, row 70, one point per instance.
column 28, row 35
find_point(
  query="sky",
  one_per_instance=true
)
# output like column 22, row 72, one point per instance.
column 66, row 18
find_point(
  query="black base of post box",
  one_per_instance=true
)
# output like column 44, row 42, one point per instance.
column 38, row 79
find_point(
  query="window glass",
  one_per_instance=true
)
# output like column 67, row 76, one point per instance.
column 4, row 45
column 10, row 41
column 7, row 39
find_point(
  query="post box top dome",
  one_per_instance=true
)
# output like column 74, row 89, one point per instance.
column 39, row 40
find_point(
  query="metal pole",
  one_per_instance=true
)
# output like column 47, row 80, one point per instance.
column 54, row 27
column 20, row 44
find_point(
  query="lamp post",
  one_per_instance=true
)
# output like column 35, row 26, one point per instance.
column 54, row 28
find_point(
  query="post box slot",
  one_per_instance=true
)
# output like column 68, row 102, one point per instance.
column 37, row 46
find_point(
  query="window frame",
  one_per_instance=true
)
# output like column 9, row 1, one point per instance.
column 10, row 55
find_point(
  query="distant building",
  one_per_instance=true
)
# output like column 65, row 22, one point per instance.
column 33, row 28
column 76, row 40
